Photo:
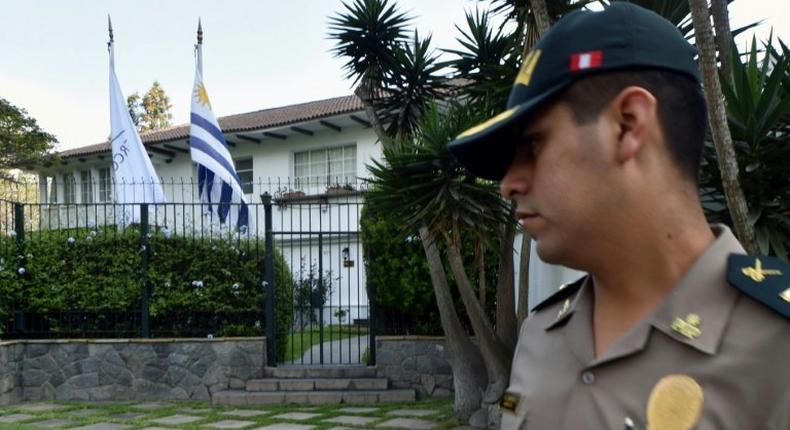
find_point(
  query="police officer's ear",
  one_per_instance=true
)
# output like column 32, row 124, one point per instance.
column 635, row 115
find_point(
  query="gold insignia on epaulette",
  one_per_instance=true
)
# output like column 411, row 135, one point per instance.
column 765, row 279
column 688, row 327
column 757, row 273
column 510, row 401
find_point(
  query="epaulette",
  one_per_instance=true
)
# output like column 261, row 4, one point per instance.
column 565, row 291
column 765, row 279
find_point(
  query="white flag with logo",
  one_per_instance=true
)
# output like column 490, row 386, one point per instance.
column 136, row 180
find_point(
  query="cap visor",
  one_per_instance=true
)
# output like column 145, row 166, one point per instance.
column 487, row 150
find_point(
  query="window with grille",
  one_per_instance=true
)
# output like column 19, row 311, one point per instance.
column 69, row 187
column 86, row 186
column 328, row 166
column 105, row 185
column 244, row 170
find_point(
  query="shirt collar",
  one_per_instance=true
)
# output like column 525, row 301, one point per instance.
column 695, row 313
column 698, row 309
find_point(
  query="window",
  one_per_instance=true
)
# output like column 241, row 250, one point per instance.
column 244, row 170
column 105, row 185
column 86, row 189
column 52, row 190
column 328, row 166
column 69, row 186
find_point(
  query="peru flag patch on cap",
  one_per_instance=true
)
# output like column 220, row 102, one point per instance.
column 586, row 60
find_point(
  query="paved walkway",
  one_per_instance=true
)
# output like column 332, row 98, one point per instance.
column 172, row 416
column 343, row 351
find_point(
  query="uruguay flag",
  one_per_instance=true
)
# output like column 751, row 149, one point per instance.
column 219, row 187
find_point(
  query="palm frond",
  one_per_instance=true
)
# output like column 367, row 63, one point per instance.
column 367, row 34
column 422, row 183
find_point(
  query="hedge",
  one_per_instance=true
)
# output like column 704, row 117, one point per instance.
column 100, row 269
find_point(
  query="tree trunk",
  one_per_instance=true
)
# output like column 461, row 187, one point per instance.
column 465, row 359
column 495, row 355
column 721, row 20
column 523, row 278
column 506, row 324
column 480, row 266
column 541, row 15
column 366, row 92
column 717, row 117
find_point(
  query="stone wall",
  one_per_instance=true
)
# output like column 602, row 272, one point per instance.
column 418, row 362
column 10, row 373
column 121, row 369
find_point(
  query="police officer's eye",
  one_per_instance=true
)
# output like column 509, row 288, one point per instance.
column 533, row 144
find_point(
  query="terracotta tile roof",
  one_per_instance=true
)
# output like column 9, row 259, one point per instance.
column 257, row 120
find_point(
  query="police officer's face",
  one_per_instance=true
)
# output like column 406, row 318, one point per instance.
column 556, row 179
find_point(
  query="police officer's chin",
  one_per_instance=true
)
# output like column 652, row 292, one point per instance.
column 552, row 252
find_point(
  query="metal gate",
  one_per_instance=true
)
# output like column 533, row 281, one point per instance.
column 331, row 320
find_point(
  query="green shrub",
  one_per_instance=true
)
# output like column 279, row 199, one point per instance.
column 100, row 269
column 397, row 267
column 395, row 264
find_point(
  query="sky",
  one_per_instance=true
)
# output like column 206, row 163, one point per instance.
column 257, row 54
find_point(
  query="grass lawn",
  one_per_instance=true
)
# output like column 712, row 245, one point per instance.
column 300, row 342
column 440, row 413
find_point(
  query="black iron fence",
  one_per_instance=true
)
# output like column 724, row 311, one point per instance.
column 295, row 273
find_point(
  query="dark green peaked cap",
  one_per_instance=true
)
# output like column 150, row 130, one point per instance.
column 622, row 36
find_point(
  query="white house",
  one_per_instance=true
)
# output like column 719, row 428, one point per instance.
column 308, row 156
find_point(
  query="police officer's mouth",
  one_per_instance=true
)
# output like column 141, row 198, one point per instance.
column 526, row 215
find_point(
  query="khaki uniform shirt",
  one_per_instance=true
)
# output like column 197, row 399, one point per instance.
column 740, row 358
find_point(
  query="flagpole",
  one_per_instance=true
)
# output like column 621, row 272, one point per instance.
column 111, row 41
column 199, row 47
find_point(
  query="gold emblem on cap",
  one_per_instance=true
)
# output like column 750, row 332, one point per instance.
column 490, row 122
column 675, row 403
column 757, row 273
column 525, row 75
column 785, row 295
column 688, row 327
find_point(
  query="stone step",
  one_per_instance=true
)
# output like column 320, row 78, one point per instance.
column 244, row 398
column 316, row 384
column 294, row 372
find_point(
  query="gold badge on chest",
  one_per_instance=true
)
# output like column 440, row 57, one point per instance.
column 675, row 403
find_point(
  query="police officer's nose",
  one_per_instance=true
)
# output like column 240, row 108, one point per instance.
column 516, row 182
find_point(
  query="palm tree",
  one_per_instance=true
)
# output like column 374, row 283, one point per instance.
column 758, row 108
column 367, row 35
column 421, row 182
column 717, row 118
column 721, row 22
column 406, row 81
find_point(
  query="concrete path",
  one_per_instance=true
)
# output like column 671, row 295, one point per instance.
column 344, row 351
column 154, row 416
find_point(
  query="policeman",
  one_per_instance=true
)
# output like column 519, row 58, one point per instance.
column 673, row 327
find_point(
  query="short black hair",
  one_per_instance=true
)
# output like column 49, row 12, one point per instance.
column 682, row 111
